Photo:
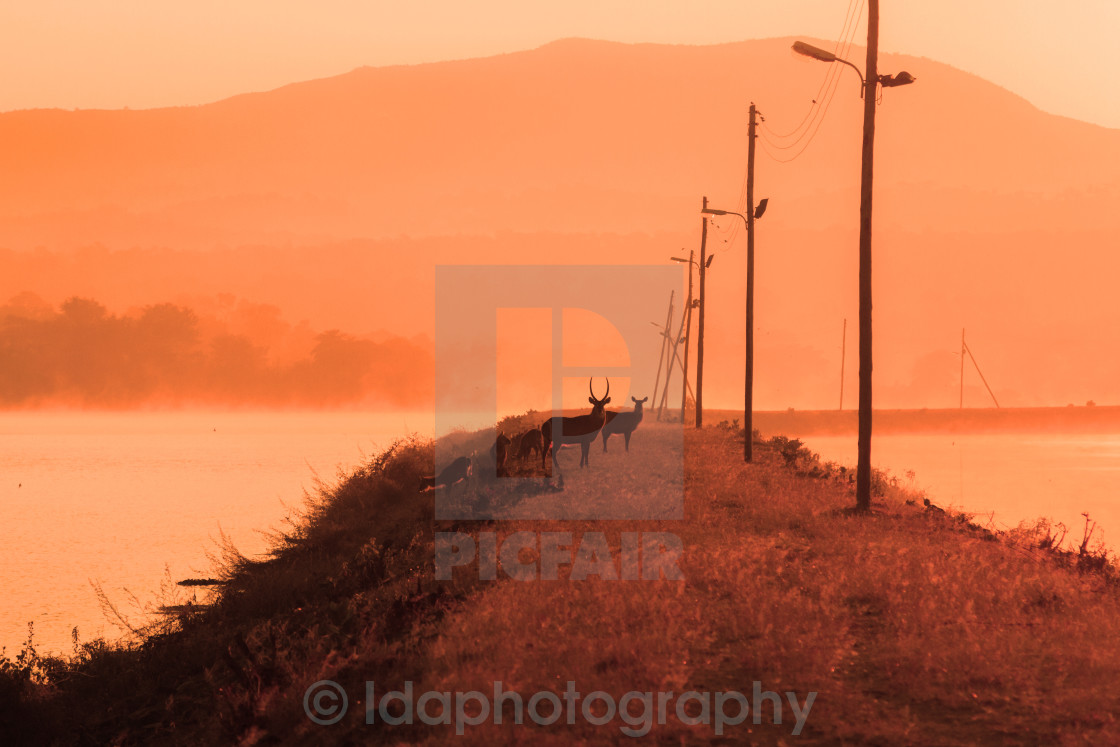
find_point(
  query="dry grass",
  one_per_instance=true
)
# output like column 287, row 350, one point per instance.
column 913, row 626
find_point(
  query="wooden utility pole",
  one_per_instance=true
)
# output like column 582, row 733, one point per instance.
column 673, row 356
column 748, row 383
column 843, row 355
column 687, row 336
column 962, row 369
column 664, row 343
column 870, row 89
column 966, row 349
column 700, row 321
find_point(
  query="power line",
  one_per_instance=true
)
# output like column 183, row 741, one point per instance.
column 833, row 80
column 828, row 86
column 815, row 116
column 844, row 31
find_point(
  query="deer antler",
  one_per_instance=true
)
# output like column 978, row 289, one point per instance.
column 591, row 388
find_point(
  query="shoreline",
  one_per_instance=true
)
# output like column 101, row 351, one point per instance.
column 1069, row 419
column 899, row 621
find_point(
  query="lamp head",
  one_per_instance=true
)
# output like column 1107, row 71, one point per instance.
column 815, row 52
column 902, row 79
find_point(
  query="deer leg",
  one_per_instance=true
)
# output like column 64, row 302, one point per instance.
column 556, row 468
column 605, row 437
column 627, row 434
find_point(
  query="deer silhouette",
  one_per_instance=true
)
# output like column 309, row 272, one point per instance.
column 499, row 452
column 530, row 442
column 582, row 430
column 623, row 422
column 460, row 469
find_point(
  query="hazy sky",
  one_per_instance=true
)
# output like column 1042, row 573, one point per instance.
column 1063, row 57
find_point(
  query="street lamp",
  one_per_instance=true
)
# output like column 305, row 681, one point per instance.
column 867, row 91
column 748, row 376
column 887, row 81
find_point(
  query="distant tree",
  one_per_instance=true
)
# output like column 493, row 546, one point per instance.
column 339, row 366
column 78, row 310
column 165, row 348
column 238, row 370
column 27, row 305
column 85, row 344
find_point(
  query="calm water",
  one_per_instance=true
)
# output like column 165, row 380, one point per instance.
column 126, row 499
column 129, row 499
column 1016, row 477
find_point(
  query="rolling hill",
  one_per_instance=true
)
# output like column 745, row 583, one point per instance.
column 334, row 198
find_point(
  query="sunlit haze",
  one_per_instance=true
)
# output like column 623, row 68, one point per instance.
column 292, row 232
column 725, row 349
column 69, row 54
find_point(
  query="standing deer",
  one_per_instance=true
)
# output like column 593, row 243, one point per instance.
column 530, row 442
column 499, row 452
column 582, row 430
column 623, row 422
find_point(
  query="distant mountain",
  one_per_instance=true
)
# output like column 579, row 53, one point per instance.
column 989, row 213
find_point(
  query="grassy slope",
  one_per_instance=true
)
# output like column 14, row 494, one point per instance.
column 913, row 627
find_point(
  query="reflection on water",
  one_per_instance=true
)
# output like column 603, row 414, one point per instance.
column 126, row 498
column 123, row 498
column 1013, row 477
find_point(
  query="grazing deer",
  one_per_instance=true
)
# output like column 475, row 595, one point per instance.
column 582, row 430
column 460, row 469
column 530, row 442
column 623, row 422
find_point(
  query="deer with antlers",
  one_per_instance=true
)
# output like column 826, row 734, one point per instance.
column 582, row 430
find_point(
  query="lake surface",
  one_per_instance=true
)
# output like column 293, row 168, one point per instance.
column 1009, row 477
column 130, row 499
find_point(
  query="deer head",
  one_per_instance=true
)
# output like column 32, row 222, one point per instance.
column 597, row 405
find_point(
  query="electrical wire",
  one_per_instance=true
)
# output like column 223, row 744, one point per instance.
column 844, row 31
column 769, row 140
column 833, row 78
column 820, row 104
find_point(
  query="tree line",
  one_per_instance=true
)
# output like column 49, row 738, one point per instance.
column 80, row 354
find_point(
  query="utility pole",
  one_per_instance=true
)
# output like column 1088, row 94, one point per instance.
column 673, row 356
column 687, row 336
column 871, row 82
column 869, row 91
column 966, row 349
column 962, row 369
column 843, row 355
column 748, row 384
column 700, row 321
column 664, row 343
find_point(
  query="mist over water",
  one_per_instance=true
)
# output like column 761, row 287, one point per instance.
column 127, row 499
column 1012, row 477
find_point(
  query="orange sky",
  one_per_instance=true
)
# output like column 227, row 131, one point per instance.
column 322, row 199
column 112, row 54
